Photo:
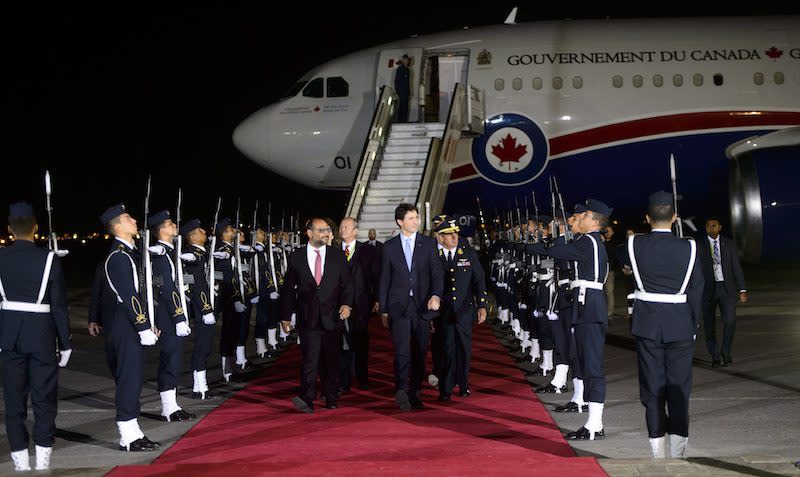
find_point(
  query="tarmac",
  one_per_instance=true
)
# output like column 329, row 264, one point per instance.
column 743, row 418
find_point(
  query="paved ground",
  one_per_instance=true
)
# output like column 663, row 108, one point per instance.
column 743, row 418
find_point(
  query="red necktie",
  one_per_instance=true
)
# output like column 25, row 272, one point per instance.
column 347, row 252
column 318, row 268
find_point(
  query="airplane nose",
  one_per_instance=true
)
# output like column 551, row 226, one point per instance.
column 251, row 136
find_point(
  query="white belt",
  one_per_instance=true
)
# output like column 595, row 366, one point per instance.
column 582, row 286
column 545, row 276
column 563, row 281
column 24, row 306
column 658, row 297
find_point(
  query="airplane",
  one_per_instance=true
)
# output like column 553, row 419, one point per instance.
column 599, row 104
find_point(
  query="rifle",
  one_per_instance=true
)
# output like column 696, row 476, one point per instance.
column 271, row 255
column 178, row 253
column 238, row 253
column 519, row 219
column 567, row 229
column 253, row 244
column 212, row 249
column 486, row 240
column 535, row 215
column 673, row 177
column 146, row 263
column 53, row 238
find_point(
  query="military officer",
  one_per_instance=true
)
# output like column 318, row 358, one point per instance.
column 195, row 259
column 666, row 312
column 126, row 326
column 465, row 290
column 34, row 319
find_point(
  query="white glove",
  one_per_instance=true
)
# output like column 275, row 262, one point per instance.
column 147, row 337
column 188, row 257
column 222, row 255
column 254, row 300
column 65, row 354
column 62, row 253
column 182, row 328
column 551, row 316
column 157, row 250
column 209, row 319
column 239, row 307
column 259, row 247
column 245, row 248
column 274, row 296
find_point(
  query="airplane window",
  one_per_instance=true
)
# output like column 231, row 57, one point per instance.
column 577, row 82
column 337, row 87
column 296, row 88
column 637, row 81
column 516, row 83
column 677, row 80
column 778, row 77
column 557, row 82
column 718, row 79
column 537, row 83
column 499, row 84
column 697, row 79
column 758, row 78
column 616, row 80
column 658, row 81
column 314, row 89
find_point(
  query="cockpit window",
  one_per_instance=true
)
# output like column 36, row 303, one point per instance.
column 314, row 89
column 337, row 87
column 295, row 89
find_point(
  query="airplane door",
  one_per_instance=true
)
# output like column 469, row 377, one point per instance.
column 387, row 65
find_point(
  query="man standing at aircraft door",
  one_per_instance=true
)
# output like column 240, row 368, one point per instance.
column 402, row 85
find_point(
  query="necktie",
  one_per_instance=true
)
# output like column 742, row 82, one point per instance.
column 347, row 252
column 318, row 268
column 717, row 259
column 407, row 252
column 450, row 257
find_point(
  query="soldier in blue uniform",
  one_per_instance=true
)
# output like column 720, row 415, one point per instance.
column 230, row 304
column 195, row 259
column 666, row 312
column 464, row 290
column 34, row 319
column 171, row 318
column 589, row 309
column 126, row 326
column 246, row 254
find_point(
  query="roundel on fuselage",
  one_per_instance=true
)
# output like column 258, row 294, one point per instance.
column 512, row 150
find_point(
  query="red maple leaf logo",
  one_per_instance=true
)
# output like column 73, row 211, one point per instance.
column 774, row 53
column 509, row 151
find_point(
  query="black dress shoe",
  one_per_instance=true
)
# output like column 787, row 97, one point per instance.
column 402, row 401
column 444, row 397
column 715, row 363
column 726, row 361
column 550, row 389
column 572, row 407
column 204, row 395
column 416, row 403
column 152, row 443
column 584, row 434
column 139, row 445
column 302, row 406
column 465, row 393
column 179, row 415
column 331, row 405
column 538, row 372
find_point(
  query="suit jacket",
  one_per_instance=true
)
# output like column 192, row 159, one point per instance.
column 364, row 268
column 465, row 286
column 317, row 307
column 731, row 268
column 662, row 260
column 425, row 279
column 21, row 269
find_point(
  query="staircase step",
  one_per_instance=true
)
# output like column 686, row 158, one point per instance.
column 408, row 194
column 405, row 127
column 391, row 184
column 405, row 141
column 379, row 200
column 415, row 134
column 423, row 148
column 404, row 156
column 378, row 209
column 404, row 177
column 398, row 169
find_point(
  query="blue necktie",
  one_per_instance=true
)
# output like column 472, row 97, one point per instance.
column 717, row 259
column 407, row 252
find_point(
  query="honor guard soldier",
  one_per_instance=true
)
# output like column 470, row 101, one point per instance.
column 589, row 309
column 246, row 254
column 666, row 312
column 230, row 303
column 266, row 305
column 34, row 320
column 171, row 319
column 195, row 261
column 126, row 326
column 464, row 290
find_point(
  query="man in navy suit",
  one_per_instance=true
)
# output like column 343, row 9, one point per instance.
column 724, row 284
column 667, row 308
column 319, row 289
column 33, row 318
column 411, row 285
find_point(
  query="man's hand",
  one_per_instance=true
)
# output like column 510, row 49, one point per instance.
column 743, row 297
column 182, row 328
column 286, row 326
column 433, row 303
column 432, row 327
column 344, row 312
column 385, row 319
column 209, row 319
column 65, row 354
column 376, row 307
column 147, row 337
column 95, row 329
column 274, row 296
column 481, row 315
column 239, row 307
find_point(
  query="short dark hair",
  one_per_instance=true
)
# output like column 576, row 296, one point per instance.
column 601, row 219
column 22, row 226
column 111, row 223
column 661, row 213
column 402, row 209
column 310, row 222
column 715, row 218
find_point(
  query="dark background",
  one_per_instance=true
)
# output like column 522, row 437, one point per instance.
column 104, row 96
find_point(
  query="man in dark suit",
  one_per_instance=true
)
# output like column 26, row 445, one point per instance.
column 410, row 288
column 34, row 319
column 372, row 235
column 402, row 85
column 465, row 299
column 364, row 264
column 724, row 284
column 319, row 290
column 667, row 308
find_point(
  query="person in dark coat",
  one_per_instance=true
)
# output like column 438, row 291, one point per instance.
column 402, row 86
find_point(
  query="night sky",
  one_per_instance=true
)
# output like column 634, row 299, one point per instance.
column 105, row 97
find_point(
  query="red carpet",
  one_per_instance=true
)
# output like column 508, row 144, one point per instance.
column 502, row 429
